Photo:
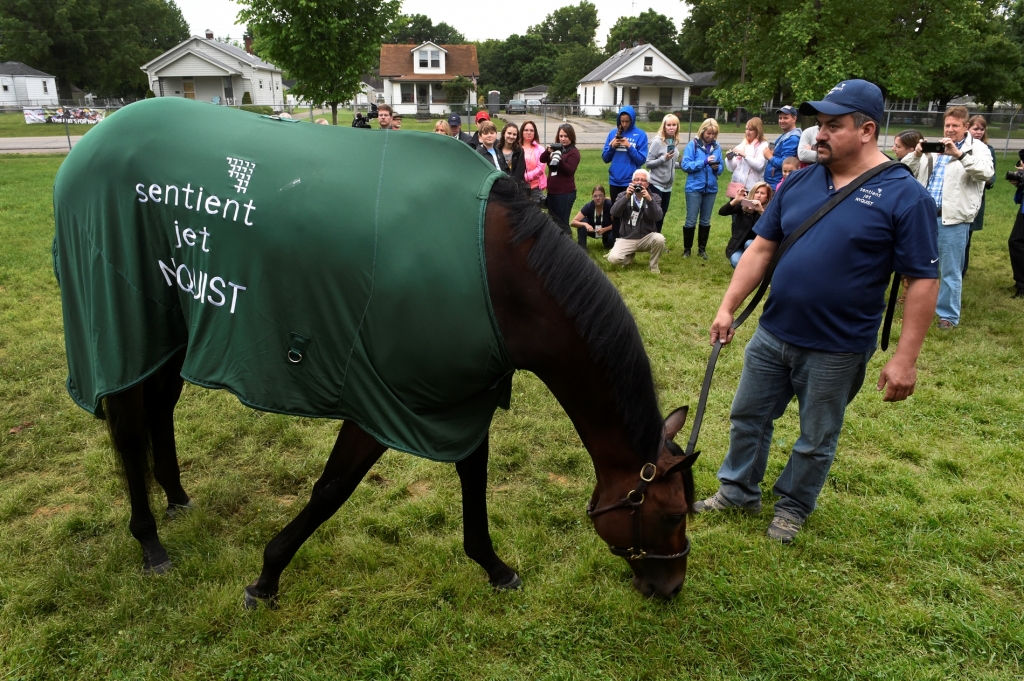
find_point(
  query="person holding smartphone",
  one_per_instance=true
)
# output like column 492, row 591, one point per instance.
column 703, row 163
column 625, row 150
column 746, row 209
column 662, row 161
column 960, row 169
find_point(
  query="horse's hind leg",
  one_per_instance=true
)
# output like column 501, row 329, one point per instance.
column 476, row 536
column 128, row 423
column 353, row 456
column 161, row 392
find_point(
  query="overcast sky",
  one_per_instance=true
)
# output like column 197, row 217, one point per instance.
column 497, row 21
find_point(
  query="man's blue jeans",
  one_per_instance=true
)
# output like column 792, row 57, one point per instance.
column 952, row 244
column 773, row 372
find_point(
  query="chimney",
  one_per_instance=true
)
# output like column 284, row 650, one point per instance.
column 248, row 42
column 642, row 41
column 209, row 34
column 622, row 45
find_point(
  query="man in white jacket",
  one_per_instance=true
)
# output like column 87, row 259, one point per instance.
column 957, row 183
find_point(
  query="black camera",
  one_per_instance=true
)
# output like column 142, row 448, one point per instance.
column 557, row 147
column 361, row 121
column 638, row 189
column 1017, row 175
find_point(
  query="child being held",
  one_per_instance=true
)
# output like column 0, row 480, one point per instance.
column 790, row 164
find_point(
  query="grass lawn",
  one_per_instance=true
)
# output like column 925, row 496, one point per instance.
column 909, row 569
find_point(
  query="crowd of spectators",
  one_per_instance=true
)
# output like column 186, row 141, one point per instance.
column 642, row 173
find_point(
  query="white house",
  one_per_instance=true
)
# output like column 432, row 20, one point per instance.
column 640, row 76
column 413, row 75
column 208, row 70
column 538, row 92
column 22, row 85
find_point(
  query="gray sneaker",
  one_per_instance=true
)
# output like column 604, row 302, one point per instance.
column 719, row 503
column 784, row 528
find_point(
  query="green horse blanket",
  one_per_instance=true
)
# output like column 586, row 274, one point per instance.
column 310, row 270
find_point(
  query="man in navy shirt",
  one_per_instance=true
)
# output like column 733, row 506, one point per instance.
column 820, row 323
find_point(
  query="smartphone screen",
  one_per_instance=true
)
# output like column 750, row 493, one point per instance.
column 932, row 147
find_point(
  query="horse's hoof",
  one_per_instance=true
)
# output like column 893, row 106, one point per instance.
column 513, row 584
column 175, row 510
column 253, row 601
column 160, row 568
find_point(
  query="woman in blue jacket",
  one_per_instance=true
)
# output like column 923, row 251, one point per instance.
column 702, row 162
column 626, row 151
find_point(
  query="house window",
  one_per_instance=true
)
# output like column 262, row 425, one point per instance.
column 407, row 94
column 229, row 90
column 593, row 95
column 261, row 84
column 435, row 59
column 665, row 96
column 648, row 63
column 46, row 86
column 437, row 94
column 160, row 86
column 5, row 88
column 423, row 59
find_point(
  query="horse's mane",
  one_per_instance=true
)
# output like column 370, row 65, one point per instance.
column 594, row 305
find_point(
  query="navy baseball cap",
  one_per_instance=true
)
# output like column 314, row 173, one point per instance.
column 455, row 119
column 791, row 110
column 847, row 97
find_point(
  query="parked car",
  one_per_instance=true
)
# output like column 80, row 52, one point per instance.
column 533, row 105
column 515, row 106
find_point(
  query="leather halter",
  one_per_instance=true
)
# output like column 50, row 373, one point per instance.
column 634, row 501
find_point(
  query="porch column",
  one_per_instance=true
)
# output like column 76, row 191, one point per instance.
column 686, row 96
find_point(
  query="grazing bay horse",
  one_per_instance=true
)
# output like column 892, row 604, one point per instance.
column 391, row 280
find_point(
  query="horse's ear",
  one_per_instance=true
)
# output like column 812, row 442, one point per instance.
column 674, row 422
column 680, row 463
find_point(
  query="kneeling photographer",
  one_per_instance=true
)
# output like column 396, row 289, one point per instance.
column 1016, row 240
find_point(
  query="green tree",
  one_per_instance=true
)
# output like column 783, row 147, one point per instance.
column 909, row 48
column 519, row 62
column 419, row 28
column 98, row 45
column 571, row 65
column 457, row 90
column 651, row 27
column 325, row 45
column 569, row 25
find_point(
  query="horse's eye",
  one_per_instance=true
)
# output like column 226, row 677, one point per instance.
column 673, row 519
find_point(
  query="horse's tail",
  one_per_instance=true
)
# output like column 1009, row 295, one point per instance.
column 128, row 426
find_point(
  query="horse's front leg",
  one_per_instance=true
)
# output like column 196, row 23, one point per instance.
column 353, row 456
column 476, row 536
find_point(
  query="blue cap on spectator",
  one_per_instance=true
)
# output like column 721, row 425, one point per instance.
column 791, row 110
column 455, row 119
column 847, row 97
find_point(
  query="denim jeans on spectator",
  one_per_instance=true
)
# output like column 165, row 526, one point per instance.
column 734, row 259
column 560, row 207
column 609, row 237
column 666, row 199
column 952, row 243
column 698, row 203
column 773, row 372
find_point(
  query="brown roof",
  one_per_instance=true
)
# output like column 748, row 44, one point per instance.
column 396, row 63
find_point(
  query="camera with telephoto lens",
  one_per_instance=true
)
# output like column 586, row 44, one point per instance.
column 361, row 121
column 556, row 151
column 1017, row 175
